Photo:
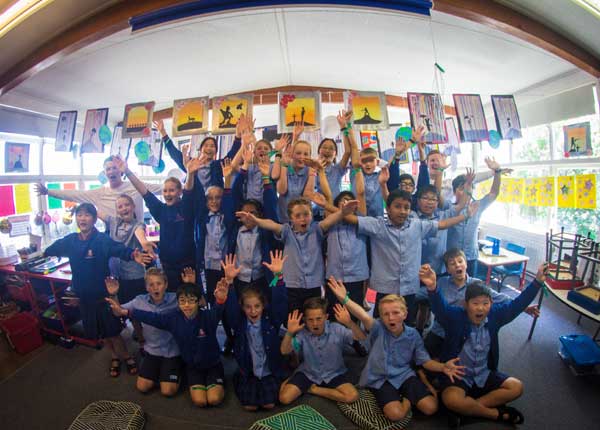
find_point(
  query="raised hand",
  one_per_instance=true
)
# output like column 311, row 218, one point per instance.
column 112, row 285
column 427, row 277
column 344, row 117
column 453, row 370
column 226, row 167
column 418, row 134
column 337, row 288
column 160, row 126
column 221, row 291
column 141, row 257
column 298, row 130
column 342, row 315
column 188, row 275
column 318, row 199
column 470, row 177
column 229, row 267
column 384, row 175
column 119, row 163
column 40, row 189
column 401, row 146
column 492, row 163
column 282, row 143
column 240, row 127
column 286, row 156
column 295, row 322
column 149, row 248
column 277, row 260
column 349, row 207
column 314, row 164
column 542, row 272
column 193, row 165
column 115, row 307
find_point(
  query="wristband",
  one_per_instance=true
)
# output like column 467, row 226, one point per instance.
column 266, row 177
column 346, row 132
column 290, row 334
column 343, row 128
column 413, row 141
column 497, row 170
column 276, row 278
column 346, row 299
column 278, row 155
column 349, row 125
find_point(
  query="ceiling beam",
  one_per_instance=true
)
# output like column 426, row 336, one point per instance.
column 268, row 96
column 116, row 18
column 509, row 21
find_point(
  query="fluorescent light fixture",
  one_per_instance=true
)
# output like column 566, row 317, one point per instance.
column 592, row 6
column 18, row 12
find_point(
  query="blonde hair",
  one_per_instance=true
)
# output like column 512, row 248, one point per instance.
column 266, row 142
column 176, row 181
column 392, row 298
column 130, row 200
column 300, row 201
column 304, row 142
column 155, row 271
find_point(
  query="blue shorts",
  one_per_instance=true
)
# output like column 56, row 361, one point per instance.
column 494, row 381
column 413, row 389
column 301, row 381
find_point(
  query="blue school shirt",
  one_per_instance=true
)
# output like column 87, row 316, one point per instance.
column 304, row 267
column 196, row 337
column 257, row 350
column 464, row 234
column 296, row 183
column 474, row 355
column 249, row 254
column 254, row 182
column 334, row 173
column 396, row 252
column 346, row 253
column 156, row 342
column 176, row 227
column 323, row 358
column 391, row 356
column 434, row 247
column 455, row 296
column 124, row 232
column 215, row 242
column 372, row 193
column 89, row 262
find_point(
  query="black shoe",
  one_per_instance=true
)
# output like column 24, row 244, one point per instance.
column 361, row 351
column 228, row 347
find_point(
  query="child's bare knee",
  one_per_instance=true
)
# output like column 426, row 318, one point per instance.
column 168, row 390
column 428, row 405
column 201, row 403
column 515, row 386
column 394, row 412
column 143, row 385
column 351, row 396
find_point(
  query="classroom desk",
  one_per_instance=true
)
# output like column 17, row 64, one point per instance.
column 561, row 296
column 505, row 257
column 59, row 281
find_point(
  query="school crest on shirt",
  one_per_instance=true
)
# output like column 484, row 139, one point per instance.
column 89, row 254
column 201, row 333
column 179, row 218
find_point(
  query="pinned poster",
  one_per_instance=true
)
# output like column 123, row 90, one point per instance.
column 54, row 203
column 586, row 191
column 565, row 187
column 530, row 192
column 22, row 199
column 514, row 189
column 7, row 204
column 482, row 189
column 546, row 194
column 70, row 186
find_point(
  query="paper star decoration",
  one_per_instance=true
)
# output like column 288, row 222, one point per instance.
column 564, row 190
column 548, row 188
column 588, row 185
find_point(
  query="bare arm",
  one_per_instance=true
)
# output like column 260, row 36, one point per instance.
column 344, row 120
column 263, row 223
column 339, row 290
column 343, row 317
column 359, row 185
column 450, row 222
column 348, row 209
column 294, row 326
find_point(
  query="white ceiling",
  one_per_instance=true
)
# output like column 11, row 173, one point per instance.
column 317, row 46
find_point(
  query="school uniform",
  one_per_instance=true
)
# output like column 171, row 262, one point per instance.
column 434, row 247
column 304, row 269
column 334, row 172
column 373, row 189
column 388, row 372
column 176, row 235
column 464, row 235
column 454, row 296
column 196, row 339
column 161, row 361
column 323, row 362
column 257, row 352
column 211, row 175
column 89, row 264
column 296, row 181
column 477, row 345
column 129, row 273
column 395, row 258
column 252, row 182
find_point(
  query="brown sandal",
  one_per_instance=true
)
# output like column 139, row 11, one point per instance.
column 115, row 368
column 131, row 366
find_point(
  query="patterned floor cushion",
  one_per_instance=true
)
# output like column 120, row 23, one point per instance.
column 107, row 415
column 301, row 417
column 367, row 415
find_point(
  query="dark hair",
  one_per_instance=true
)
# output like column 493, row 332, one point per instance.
column 325, row 140
column 206, row 139
column 458, row 181
column 398, row 194
column 369, row 151
column 343, row 194
column 406, row 176
column 108, row 159
column 427, row 189
column 432, row 152
column 87, row 207
column 300, row 201
column 189, row 289
column 453, row 253
column 257, row 205
column 252, row 291
column 315, row 303
column 477, row 288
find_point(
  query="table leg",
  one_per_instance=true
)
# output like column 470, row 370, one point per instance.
column 536, row 318
column 522, row 283
column 488, row 277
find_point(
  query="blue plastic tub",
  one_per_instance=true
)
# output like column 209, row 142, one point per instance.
column 580, row 350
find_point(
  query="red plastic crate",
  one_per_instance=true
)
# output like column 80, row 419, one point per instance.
column 22, row 332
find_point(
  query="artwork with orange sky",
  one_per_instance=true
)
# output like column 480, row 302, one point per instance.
column 299, row 107
column 137, row 119
column 226, row 112
column 577, row 139
column 190, row 116
column 369, row 109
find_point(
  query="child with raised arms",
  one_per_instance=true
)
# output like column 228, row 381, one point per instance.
column 394, row 347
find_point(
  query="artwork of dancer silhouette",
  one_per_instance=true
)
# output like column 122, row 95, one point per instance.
column 367, row 118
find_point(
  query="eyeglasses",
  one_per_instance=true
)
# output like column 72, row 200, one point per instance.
column 407, row 184
column 192, row 301
column 429, row 199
